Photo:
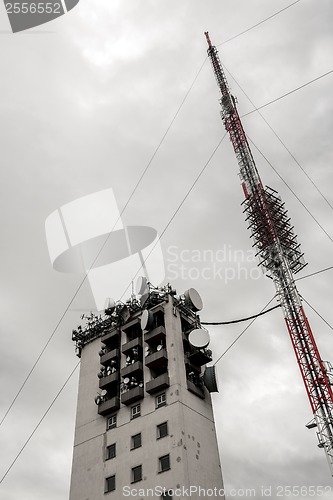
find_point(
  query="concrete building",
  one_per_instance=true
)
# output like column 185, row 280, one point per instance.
column 145, row 425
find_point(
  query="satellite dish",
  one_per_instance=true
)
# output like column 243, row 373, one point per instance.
column 210, row 380
column 142, row 285
column 147, row 320
column 125, row 313
column 159, row 347
column 104, row 393
column 199, row 338
column 144, row 298
column 98, row 400
column 100, row 375
column 126, row 380
column 109, row 306
column 193, row 300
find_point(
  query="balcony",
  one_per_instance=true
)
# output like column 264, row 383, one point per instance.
column 130, row 345
column 195, row 389
column 199, row 357
column 157, row 360
column 158, row 383
column 106, row 358
column 132, row 395
column 156, row 335
column 109, row 406
column 132, row 369
column 134, row 323
column 106, row 382
column 111, row 336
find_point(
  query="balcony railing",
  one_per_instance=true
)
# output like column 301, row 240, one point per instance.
column 157, row 360
column 158, row 383
column 132, row 395
column 109, row 406
column 199, row 357
column 105, row 382
column 131, row 369
column 105, row 358
column 155, row 335
column 111, row 336
column 133, row 343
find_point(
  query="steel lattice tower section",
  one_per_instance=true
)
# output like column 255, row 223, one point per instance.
column 280, row 256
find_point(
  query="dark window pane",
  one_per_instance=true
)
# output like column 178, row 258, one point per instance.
column 110, row 483
column 136, row 473
column 167, row 496
column 164, row 463
column 162, row 430
column 136, row 441
column 111, row 451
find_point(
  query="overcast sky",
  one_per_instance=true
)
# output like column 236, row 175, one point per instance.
column 85, row 100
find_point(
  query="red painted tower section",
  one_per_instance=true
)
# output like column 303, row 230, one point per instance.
column 280, row 256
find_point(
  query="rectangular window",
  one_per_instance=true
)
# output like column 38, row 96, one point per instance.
column 164, row 463
column 110, row 483
column 160, row 400
column 136, row 411
column 136, row 441
column 167, row 495
column 110, row 451
column 111, row 422
column 136, row 474
column 162, row 430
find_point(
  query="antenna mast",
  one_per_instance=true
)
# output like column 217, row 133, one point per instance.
column 280, row 257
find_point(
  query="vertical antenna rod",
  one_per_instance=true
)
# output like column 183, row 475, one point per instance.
column 280, row 257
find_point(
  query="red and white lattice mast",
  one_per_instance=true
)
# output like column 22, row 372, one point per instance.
column 280, row 256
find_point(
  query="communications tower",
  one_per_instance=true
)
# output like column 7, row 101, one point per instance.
column 281, row 257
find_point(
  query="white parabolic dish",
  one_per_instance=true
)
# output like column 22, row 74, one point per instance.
column 199, row 338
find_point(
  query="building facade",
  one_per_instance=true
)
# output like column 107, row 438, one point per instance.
column 145, row 425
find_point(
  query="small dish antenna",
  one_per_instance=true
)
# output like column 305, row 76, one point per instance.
column 143, row 299
column 109, row 307
column 125, row 313
column 159, row 347
column 142, row 285
column 126, row 380
column 147, row 320
column 199, row 338
column 193, row 300
column 104, row 393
